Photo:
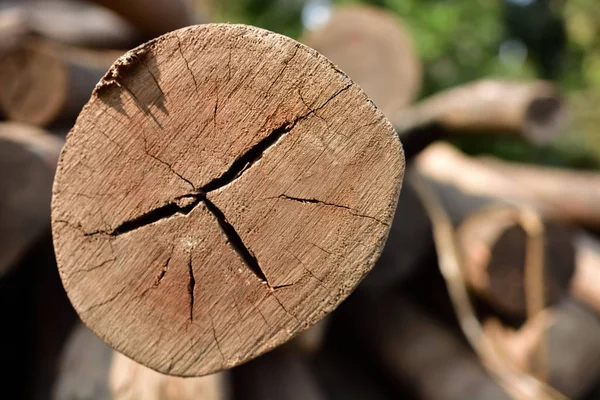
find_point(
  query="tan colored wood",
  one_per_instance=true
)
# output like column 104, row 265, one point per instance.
column 375, row 50
column 42, row 82
column 572, row 196
column 27, row 163
column 154, row 17
column 224, row 189
column 38, row 141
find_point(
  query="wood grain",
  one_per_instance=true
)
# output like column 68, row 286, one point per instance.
column 224, row 189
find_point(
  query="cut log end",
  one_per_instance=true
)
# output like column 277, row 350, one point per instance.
column 224, row 188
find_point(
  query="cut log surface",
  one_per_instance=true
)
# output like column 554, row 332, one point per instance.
column 224, row 188
column 42, row 82
column 375, row 50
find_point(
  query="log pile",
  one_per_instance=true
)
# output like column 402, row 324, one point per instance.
column 232, row 217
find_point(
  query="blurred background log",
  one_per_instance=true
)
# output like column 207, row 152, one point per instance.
column 154, row 17
column 572, row 335
column 84, row 367
column 535, row 112
column 411, row 347
column 375, row 50
column 132, row 381
column 27, row 162
column 43, row 82
column 281, row 374
column 68, row 22
column 568, row 196
column 90, row 369
column 494, row 246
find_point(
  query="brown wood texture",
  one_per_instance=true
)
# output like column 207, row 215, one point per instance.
column 224, row 189
column 542, row 188
column 375, row 50
column 27, row 163
column 154, row 17
column 42, row 82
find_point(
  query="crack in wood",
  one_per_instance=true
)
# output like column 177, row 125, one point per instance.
column 235, row 241
column 191, row 286
column 252, row 156
column 316, row 201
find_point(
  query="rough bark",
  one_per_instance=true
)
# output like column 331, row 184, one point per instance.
column 72, row 23
column 375, row 50
column 535, row 111
column 42, row 82
column 224, row 189
column 27, row 163
column 154, row 17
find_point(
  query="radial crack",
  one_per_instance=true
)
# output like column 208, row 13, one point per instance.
column 191, row 286
column 157, row 214
column 315, row 201
column 246, row 160
column 236, row 241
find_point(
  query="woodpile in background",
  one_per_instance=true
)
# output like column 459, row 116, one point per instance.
column 491, row 293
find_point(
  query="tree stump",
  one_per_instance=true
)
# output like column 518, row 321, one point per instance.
column 224, row 189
